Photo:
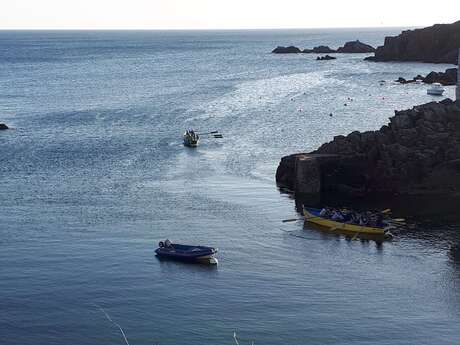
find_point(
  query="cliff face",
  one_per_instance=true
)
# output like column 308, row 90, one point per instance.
column 438, row 43
column 418, row 152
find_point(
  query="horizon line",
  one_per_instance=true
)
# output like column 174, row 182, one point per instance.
column 212, row 29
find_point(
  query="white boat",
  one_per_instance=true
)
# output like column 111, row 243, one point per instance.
column 191, row 138
column 436, row 89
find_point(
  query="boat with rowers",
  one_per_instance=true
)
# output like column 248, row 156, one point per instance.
column 315, row 216
column 186, row 253
column 191, row 138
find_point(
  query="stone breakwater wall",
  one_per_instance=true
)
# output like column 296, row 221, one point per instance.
column 416, row 153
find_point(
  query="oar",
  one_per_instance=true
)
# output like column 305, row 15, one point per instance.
column 398, row 223
column 213, row 132
column 218, row 136
column 385, row 211
column 291, row 220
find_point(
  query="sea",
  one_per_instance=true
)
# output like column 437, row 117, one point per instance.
column 93, row 174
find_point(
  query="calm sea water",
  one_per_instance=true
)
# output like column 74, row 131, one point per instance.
column 93, row 174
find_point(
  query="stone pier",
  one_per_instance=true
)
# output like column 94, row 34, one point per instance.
column 308, row 175
column 417, row 153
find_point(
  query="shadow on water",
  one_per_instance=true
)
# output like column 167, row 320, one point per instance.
column 454, row 254
column 197, row 266
column 436, row 209
column 433, row 220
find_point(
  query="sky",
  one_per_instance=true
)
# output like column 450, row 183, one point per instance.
column 223, row 14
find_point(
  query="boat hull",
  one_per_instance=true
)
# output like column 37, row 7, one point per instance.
column 191, row 254
column 189, row 143
column 312, row 216
column 435, row 92
column 190, row 140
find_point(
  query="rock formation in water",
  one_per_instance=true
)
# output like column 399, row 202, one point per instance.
column 447, row 78
column 319, row 50
column 349, row 47
column 356, row 47
column 438, row 43
column 286, row 50
column 417, row 153
column 3, row 126
column 326, row 57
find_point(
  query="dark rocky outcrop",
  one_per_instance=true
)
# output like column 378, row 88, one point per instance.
column 449, row 77
column 417, row 153
column 438, row 43
column 319, row 50
column 286, row 50
column 356, row 47
column 3, row 126
column 326, row 57
column 349, row 47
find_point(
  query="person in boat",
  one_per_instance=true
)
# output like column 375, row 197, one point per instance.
column 347, row 216
column 337, row 216
column 168, row 243
column 363, row 221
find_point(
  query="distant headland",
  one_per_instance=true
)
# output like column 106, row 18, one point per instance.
column 437, row 44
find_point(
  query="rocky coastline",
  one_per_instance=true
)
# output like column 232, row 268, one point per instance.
column 417, row 153
column 447, row 78
column 352, row 47
column 437, row 44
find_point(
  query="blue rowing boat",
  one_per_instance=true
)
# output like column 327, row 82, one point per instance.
column 186, row 253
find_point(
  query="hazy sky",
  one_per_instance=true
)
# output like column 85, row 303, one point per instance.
column 222, row 14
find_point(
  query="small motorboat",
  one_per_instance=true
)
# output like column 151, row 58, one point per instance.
column 312, row 215
column 186, row 253
column 191, row 138
column 436, row 89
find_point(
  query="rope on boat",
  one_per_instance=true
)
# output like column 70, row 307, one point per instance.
column 236, row 340
column 115, row 323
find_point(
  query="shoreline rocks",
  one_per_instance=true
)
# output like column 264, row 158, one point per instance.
column 352, row 47
column 447, row 78
column 417, row 153
column 437, row 44
column 3, row 126
column 319, row 50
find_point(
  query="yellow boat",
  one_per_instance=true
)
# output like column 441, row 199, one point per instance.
column 312, row 216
